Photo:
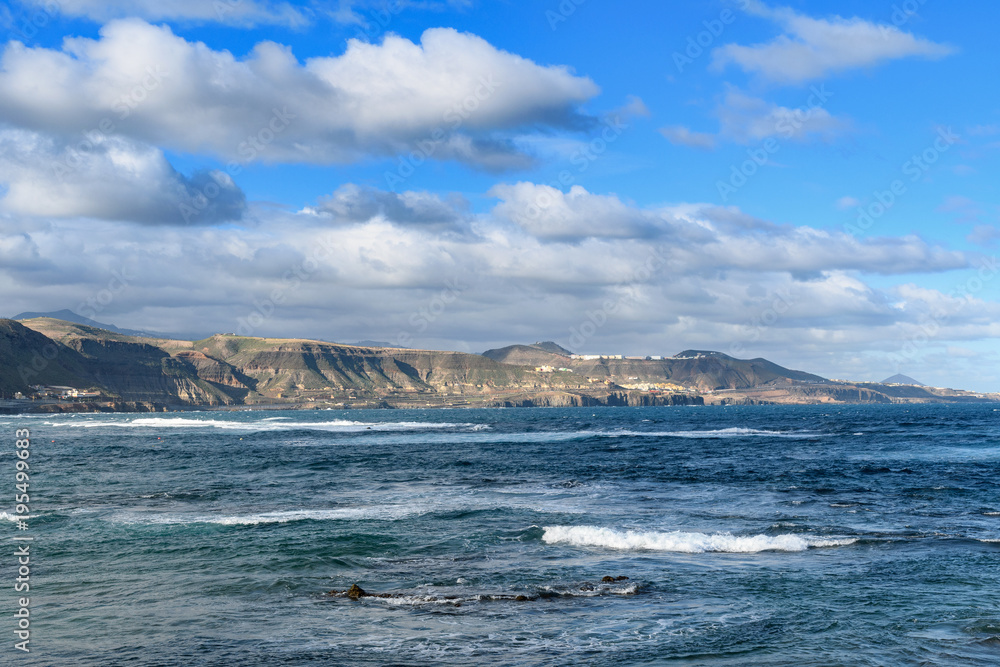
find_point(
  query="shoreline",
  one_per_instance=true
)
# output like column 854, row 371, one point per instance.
column 585, row 401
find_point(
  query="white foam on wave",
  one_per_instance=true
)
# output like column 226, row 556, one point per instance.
column 413, row 600
column 404, row 600
column 10, row 517
column 342, row 514
column 593, row 591
column 732, row 432
column 166, row 422
column 277, row 424
column 680, row 542
column 991, row 513
column 349, row 426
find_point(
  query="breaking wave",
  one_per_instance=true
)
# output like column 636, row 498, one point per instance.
column 680, row 542
column 733, row 432
column 278, row 424
column 343, row 514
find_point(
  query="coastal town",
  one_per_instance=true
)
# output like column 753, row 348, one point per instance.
column 42, row 394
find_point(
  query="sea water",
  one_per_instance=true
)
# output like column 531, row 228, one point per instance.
column 818, row 535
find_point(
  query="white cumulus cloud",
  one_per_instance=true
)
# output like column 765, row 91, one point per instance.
column 452, row 96
column 111, row 178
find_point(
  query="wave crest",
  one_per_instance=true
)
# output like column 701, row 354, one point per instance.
column 732, row 432
column 278, row 424
column 680, row 542
column 387, row 513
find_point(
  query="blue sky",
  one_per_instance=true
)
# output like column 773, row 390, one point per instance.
column 810, row 182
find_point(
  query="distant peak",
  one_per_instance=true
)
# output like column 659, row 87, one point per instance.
column 549, row 346
column 67, row 315
column 899, row 378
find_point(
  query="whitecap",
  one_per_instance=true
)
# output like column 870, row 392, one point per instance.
column 680, row 542
column 342, row 514
column 594, row 590
column 732, row 432
column 413, row 600
column 278, row 424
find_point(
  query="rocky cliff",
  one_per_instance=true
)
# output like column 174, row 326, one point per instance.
column 562, row 399
column 233, row 370
column 228, row 370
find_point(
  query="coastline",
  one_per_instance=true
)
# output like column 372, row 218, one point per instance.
column 58, row 366
column 520, row 400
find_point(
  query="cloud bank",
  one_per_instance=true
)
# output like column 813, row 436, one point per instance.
column 454, row 96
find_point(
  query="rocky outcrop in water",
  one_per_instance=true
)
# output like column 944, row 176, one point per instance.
column 356, row 593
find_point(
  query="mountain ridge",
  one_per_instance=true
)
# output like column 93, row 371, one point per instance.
column 230, row 371
column 67, row 315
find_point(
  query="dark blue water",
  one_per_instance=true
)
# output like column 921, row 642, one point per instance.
column 752, row 535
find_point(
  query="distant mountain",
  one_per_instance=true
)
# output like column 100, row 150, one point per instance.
column 540, row 354
column 526, row 355
column 226, row 369
column 69, row 316
column 549, row 346
column 899, row 378
column 697, row 369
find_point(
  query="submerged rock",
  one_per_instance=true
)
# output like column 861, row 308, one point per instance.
column 355, row 593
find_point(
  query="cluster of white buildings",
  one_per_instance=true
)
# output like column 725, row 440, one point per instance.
column 55, row 391
column 595, row 357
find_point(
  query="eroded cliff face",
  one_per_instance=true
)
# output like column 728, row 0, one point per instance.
column 233, row 370
column 28, row 357
column 137, row 371
column 127, row 370
column 289, row 368
column 221, row 376
column 558, row 399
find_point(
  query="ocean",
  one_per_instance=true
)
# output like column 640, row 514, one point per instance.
column 791, row 535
